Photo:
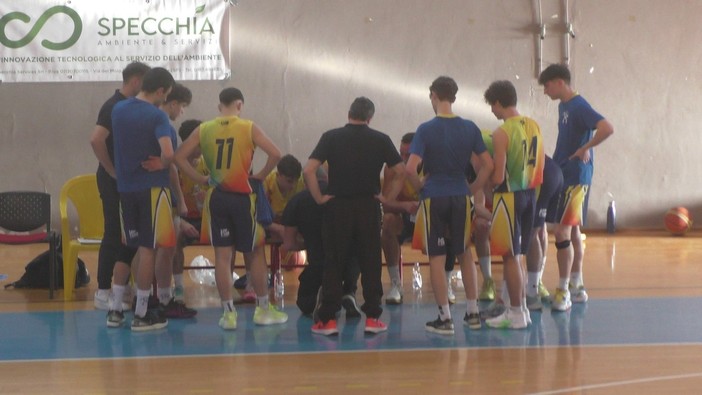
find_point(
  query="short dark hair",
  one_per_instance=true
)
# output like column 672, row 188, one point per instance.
column 157, row 78
column 187, row 128
column 445, row 88
column 362, row 109
column 555, row 72
column 134, row 69
column 503, row 92
column 407, row 138
column 229, row 95
column 180, row 93
column 289, row 166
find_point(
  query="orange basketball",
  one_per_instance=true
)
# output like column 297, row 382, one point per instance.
column 292, row 258
column 678, row 221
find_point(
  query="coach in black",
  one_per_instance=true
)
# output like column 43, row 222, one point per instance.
column 355, row 154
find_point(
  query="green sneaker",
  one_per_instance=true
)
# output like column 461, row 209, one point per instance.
column 228, row 321
column 488, row 290
column 269, row 316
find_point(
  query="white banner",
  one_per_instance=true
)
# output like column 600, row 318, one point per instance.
column 93, row 40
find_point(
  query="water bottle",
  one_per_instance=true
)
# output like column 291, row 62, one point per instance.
column 279, row 285
column 611, row 217
column 416, row 277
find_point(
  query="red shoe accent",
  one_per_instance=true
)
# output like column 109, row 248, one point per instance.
column 375, row 325
column 328, row 328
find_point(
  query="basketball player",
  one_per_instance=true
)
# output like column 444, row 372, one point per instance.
column 519, row 161
column 444, row 146
column 227, row 144
column 398, row 224
column 144, row 142
column 580, row 129
column 546, row 202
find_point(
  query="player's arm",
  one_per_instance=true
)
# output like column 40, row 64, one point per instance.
column 268, row 146
column 182, row 154
column 176, row 189
column 397, row 179
column 387, row 179
column 98, row 140
column 310, row 174
column 166, row 151
column 412, row 174
column 604, row 129
column 499, row 141
column 486, row 166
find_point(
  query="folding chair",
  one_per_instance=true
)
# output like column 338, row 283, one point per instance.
column 26, row 218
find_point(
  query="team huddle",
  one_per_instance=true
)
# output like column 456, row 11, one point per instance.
column 449, row 184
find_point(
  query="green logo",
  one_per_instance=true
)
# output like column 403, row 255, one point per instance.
column 59, row 9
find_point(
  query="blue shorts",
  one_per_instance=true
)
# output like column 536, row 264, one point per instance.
column 547, row 194
column 233, row 221
column 571, row 205
column 440, row 218
column 147, row 218
column 512, row 222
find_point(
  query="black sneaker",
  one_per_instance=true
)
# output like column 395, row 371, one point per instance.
column 178, row 310
column 442, row 327
column 151, row 321
column 472, row 321
column 349, row 304
column 115, row 319
column 153, row 302
column 240, row 283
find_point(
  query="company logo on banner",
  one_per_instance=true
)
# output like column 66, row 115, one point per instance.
column 93, row 40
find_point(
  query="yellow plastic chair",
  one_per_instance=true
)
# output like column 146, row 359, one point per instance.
column 83, row 193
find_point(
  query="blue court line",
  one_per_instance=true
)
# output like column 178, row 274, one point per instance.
column 83, row 334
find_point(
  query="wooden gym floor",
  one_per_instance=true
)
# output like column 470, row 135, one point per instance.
column 641, row 332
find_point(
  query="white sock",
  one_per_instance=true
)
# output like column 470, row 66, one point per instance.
column 576, row 278
column 444, row 312
column 485, row 267
column 262, row 302
column 116, row 299
column 228, row 306
column 178, row 280
column 473, row 306
column 532, row 283
column 142, row 302
column 563, row 283
column 394, row 272
column 164, row 295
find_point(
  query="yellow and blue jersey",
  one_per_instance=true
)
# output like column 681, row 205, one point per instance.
column 525, row 155
column 227, row 148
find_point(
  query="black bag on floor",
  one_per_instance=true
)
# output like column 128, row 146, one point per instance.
column 36, row 273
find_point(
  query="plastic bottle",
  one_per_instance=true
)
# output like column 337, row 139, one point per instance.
column 416, row 277
column 611, row 217
column 279, row 285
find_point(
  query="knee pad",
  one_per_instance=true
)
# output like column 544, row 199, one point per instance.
column 561, row 245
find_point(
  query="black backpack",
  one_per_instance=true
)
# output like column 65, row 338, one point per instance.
column 36, row 273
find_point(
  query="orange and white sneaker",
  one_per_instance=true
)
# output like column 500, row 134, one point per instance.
column 375, row 325
column 325, row 328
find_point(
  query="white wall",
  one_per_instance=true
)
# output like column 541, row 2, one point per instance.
column 300, row 63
